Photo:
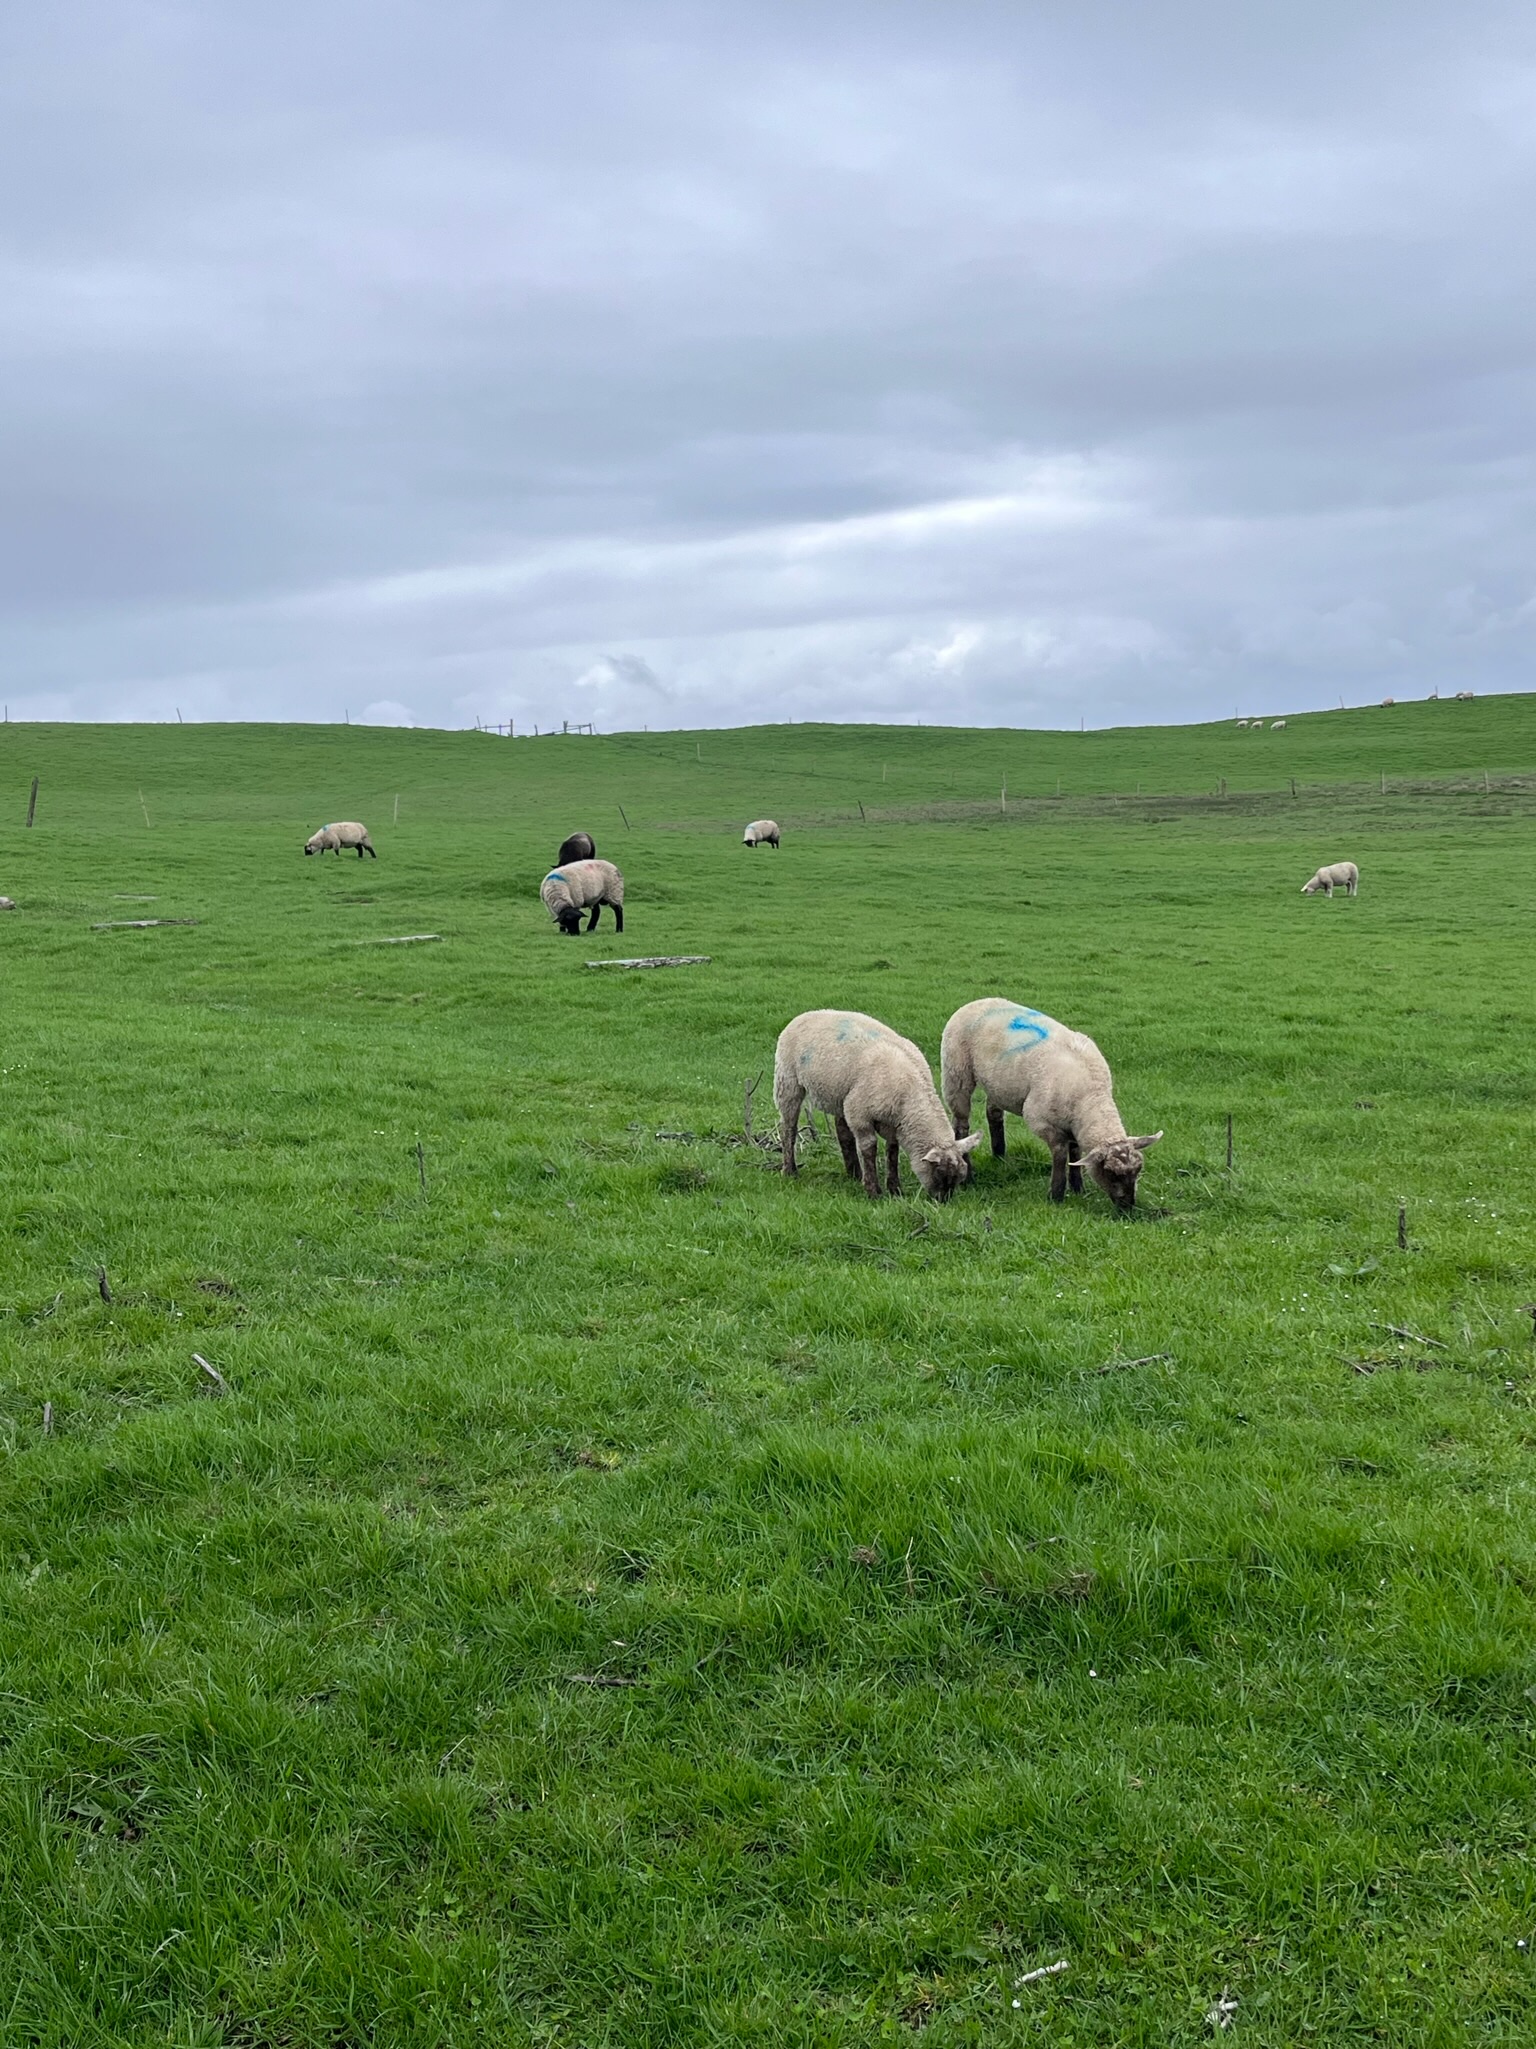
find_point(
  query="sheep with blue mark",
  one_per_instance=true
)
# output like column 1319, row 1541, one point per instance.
column 1056, row 1079
column 568, row 890
column 873, row 1084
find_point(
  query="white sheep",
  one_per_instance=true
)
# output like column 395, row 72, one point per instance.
column 1464, row 696
column 7, row 903
column 1342, row 875
column 1277, row 725
column 873, row 1084
column 1056, row 1079
column 332, row 838
column 568, row 890
column 762, row 832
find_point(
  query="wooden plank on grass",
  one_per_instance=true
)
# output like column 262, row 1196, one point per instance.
column 405, row 939
column 656, row 960
column 141, row 924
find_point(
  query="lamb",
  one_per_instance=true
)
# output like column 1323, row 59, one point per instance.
column 1342, row 875
column 873, row 1084
column 1056, row 1079
column 762, row 832
column 579, row 847
column 568, row 889
column 332, row 838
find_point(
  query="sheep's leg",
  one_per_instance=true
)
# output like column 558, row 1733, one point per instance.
column 597, row 912
column 892, row 1170
column 994, row 1132
column 787, row 1101
column 1059, row 1155
column 371, row 850
column 849, row 1150
column 1075, row 1178
column 869, row 1162
column 618, row 917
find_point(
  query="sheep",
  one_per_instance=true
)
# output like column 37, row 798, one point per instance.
column 1387, row 703
column 762, row 832
column 1056, row 1079
column 332, row 838
column 1464, row 696
column 7, row 903
column 579, row 847
column 1277, row 725
column 1342, row 875
column 873, row 1084
column 568, row 889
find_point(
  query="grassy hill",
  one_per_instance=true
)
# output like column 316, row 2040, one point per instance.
column 620, row 1598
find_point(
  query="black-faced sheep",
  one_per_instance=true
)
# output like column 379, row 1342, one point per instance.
column 1342, row 875
column 873, row 1084
column 332, row 838
column 579, row 847
column 762, row 832
column 1056, row 1079
column 568, row 889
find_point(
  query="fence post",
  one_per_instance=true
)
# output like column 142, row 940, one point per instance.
column 32, row 802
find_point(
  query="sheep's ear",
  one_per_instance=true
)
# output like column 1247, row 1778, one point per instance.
column 1143, row 1143
column 968, row 1145
column 1088, row 1158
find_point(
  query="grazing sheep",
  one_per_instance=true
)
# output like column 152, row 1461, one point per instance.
column 1342, row 875
column 873, row 1084
column 579, row 847
column 1056, row 1079
column 7, row 903
column 1464, row 696
column 568, row 889
column 1241, row 724
column 1277, row 725
column 332, row 838
column 1387, row 703
column 762, row 832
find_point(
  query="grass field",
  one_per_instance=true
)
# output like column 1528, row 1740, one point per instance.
column 622, row 1599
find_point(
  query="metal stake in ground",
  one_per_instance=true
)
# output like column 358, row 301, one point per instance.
column 1402, row 1227
column 32, row 803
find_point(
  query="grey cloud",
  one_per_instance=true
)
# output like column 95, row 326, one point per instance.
column 682, row 364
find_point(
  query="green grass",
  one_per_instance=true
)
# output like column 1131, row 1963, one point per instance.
column 934, row 1653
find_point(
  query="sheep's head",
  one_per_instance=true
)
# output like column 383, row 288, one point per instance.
column 1311, row 888
column 312, row 844
column 1117, row 1167
column 943, row 1168
column 568, row 918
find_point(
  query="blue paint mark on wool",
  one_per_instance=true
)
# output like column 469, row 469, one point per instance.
column 554, row 875
column 1031, row 1027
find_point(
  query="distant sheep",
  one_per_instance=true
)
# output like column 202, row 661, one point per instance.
column 1464, row 696
column 1387, row 703
column 762, row 832
column 873, row 1084
column 568, row 889
column 7, row 903
column 1277, row 725
column 1241, row 724
column 1342, row 875
column 332, row 838
column 579, row 847
column 1056, row 1079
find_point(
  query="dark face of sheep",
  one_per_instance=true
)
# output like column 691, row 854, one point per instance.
column 569, row 921
column 1117, row 1167
column 944, row 1168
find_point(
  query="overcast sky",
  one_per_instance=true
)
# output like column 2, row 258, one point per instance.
column 689, row 365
